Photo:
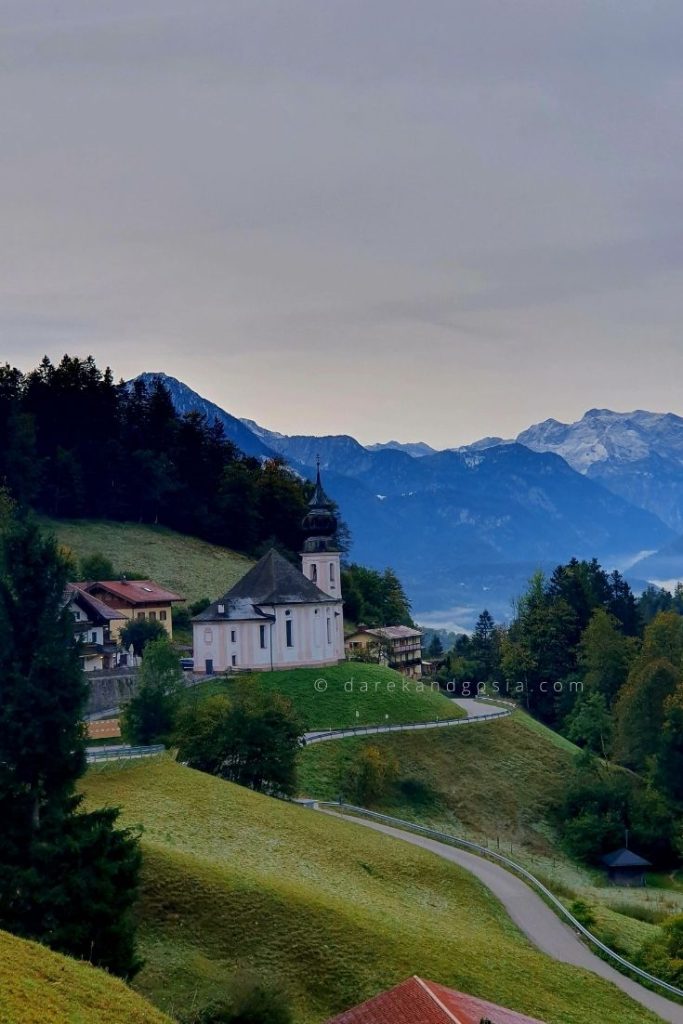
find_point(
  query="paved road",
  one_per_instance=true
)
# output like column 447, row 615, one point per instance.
column 538, row 922
column 474, row 711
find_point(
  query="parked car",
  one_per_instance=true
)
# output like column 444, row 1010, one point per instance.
column 187, row 664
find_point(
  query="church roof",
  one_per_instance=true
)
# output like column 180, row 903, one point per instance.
column 272, row 581
column 319, row 499
column 624, row 858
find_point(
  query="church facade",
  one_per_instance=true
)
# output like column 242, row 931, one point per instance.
column 278, row 616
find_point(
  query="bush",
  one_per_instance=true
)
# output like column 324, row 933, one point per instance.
column 371, row 775
column 663, row 955
column 150, row 717
column 182, row 621
column 583, row 912
column 139, row 632
column 250, row 1002
column 96, row 567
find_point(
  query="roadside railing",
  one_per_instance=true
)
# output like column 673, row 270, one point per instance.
column 513, row 866
column 318, row 735
column 121, row 753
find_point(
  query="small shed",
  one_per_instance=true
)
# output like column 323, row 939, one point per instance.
column 624, row 867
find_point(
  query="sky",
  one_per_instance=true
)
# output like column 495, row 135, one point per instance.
column 431, row 220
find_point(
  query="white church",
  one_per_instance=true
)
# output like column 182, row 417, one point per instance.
column 277, row 616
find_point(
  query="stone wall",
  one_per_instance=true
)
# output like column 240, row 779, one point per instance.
column 110, row 689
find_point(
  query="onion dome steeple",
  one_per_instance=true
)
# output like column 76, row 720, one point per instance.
column 320, row 523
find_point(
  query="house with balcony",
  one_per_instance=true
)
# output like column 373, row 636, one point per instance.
column 97, row 627
column 399, row 647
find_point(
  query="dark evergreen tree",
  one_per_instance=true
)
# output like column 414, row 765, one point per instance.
column 485, row 647
column 75, row 444
column 67, row 878
column 435, row 649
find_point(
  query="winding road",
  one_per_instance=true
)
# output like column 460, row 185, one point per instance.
column 531, row 915
column 474, row 711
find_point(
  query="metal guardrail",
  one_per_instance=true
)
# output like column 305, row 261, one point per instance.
column 121, row 753
column 518, row 869
column 318, row 735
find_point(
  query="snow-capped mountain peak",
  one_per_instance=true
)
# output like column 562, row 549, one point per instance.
column 602, row 436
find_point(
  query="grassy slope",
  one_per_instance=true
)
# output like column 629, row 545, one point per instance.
column 378, row 694
column 38, row 986
column 330, row 911
column 492, row 783
column 189, row 566
column 485, row 780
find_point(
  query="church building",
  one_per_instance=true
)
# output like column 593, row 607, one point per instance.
column 277, row 616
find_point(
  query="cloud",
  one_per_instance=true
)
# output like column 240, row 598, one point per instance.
column 387, row 219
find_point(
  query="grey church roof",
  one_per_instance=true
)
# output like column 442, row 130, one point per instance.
column 272, row 581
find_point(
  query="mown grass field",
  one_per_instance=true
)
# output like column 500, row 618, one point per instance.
column 488, row 780
column 344, row 695
column 186, row 565
column 494, row 783
column 38, row 986
column 328, row 911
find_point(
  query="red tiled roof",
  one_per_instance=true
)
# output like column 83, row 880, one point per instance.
column 423, row 1002
column 135, row 591
column 93, row 604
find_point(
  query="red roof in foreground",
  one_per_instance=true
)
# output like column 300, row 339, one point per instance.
column 134, row 591
column 423, row 1002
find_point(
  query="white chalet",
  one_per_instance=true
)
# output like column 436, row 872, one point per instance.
column 277, row 616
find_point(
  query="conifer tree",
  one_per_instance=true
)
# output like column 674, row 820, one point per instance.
column 67, row 878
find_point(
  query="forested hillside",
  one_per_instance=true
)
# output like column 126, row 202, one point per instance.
column 75, row 444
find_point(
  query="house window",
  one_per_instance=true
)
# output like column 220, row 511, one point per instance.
column 288, row 632
column 314, row 572
column 234, row 660
column 162, row 616
column 329, row 631
column 93, row 636
column 262, row 637
column 208, row 636
column 331, row 572
column 141, row 615
column 233, row 636
column 77, row 615
column 152, row 615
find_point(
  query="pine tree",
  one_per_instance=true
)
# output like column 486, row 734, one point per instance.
column 67, row 878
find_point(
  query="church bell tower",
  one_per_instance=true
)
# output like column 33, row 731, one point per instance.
column 320, row 558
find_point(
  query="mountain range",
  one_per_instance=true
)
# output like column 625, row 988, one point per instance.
column 466, row 527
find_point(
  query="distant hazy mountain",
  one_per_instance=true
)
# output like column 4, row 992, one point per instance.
column 414, row 448
column 187, row 400
column 638, row 455
column 465, row 529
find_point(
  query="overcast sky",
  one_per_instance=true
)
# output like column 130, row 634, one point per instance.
column 425, row 220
